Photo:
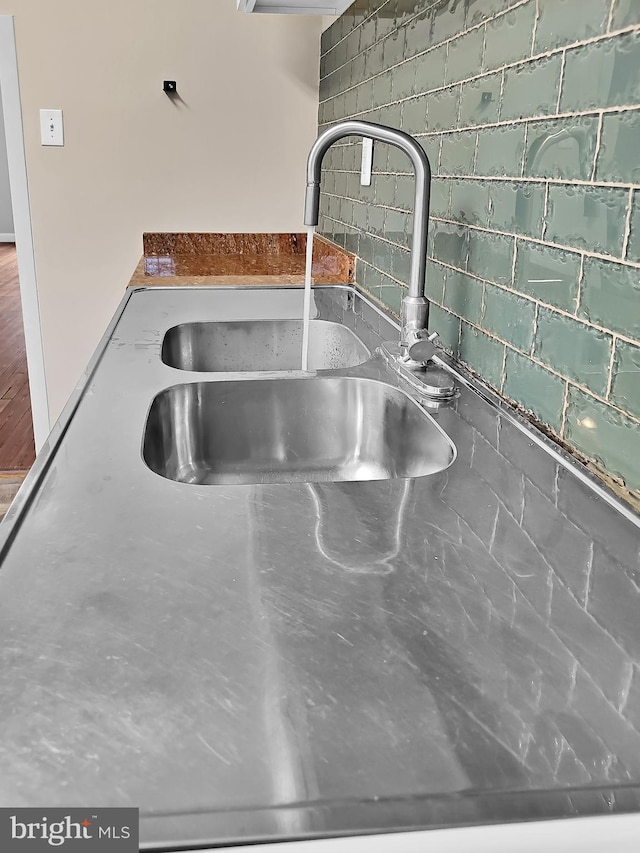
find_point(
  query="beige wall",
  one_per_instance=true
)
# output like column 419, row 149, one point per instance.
column 229, row 157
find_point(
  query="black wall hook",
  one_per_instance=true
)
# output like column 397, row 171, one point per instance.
column 170, row 87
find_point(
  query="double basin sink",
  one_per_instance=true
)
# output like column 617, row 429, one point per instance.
column 311, row 427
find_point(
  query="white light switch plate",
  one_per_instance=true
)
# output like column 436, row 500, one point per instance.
column 367, row 162
column 51, row 129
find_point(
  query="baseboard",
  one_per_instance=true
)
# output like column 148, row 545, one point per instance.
column 7, row 238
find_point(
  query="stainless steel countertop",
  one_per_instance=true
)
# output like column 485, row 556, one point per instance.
column 295, row 660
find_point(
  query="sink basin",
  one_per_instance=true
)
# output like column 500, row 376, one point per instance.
column 261, row 345
column 317, row 430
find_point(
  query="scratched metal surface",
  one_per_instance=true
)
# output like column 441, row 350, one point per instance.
column 283, row 661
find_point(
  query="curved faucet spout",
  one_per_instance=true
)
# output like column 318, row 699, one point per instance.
column 415, row 307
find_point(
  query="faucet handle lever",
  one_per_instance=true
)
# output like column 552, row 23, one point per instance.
column 419, row 346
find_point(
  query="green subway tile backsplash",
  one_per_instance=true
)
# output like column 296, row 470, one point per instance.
column 550, row 275
column 465, row 56
column 470, row 201
column 605, row 435
column 611, row 66
column 573, row 349
column 448, row 326
column 561, row 148
column 565, row 21
column 480, row 101
column 442, row 109
column 404, row 78
column 447, row 20
column 618, row 158
column 397, row 226
column 486, row 10
column 431, row 68
column 450, row 244
column 509, row 317
column 435, row 281
column 414, row 115
column 376, row 217
column 382, row 86
column 517, row 207
column 625, row 390
column 490, row 256
column 625, row 13
column 440, row 198
column 508, row 38
column 500, row 151
column 405, row 192
column 482, row 353
column 457, row 154
column 611, row 296
column 463, row 295
column 390, row 296
column 633, row 248
column 529, row 111
column 534, row 388
column 592, row 218
column 417, row 34
column 531, row 88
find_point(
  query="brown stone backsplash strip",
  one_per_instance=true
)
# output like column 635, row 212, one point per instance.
column 242, row 256
column 140, row 279
column 183, row 265
column 331, row 263
column 223, row 244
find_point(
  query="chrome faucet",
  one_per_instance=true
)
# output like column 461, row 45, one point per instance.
column 416, row 346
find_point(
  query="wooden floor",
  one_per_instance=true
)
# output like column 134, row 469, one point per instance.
column 17, row 450
column 9, row 485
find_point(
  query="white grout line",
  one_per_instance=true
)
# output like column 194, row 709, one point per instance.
column 525, row 147
column 503, row 372
column 537, row 180
column 545, row 212
column 627, row 225
column 565, row 408
column 610, row 18
column 596, row 152
column 474, row 159
column 445, row 66
column 534, row 33
column 483, row 49
column 580, row 283
column 501, row 95
column 561, row 81
column 514, row 261
column 607, row 393
column 459, row 110
column 536, row 317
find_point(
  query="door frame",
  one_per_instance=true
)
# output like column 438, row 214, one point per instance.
column 12, row 112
